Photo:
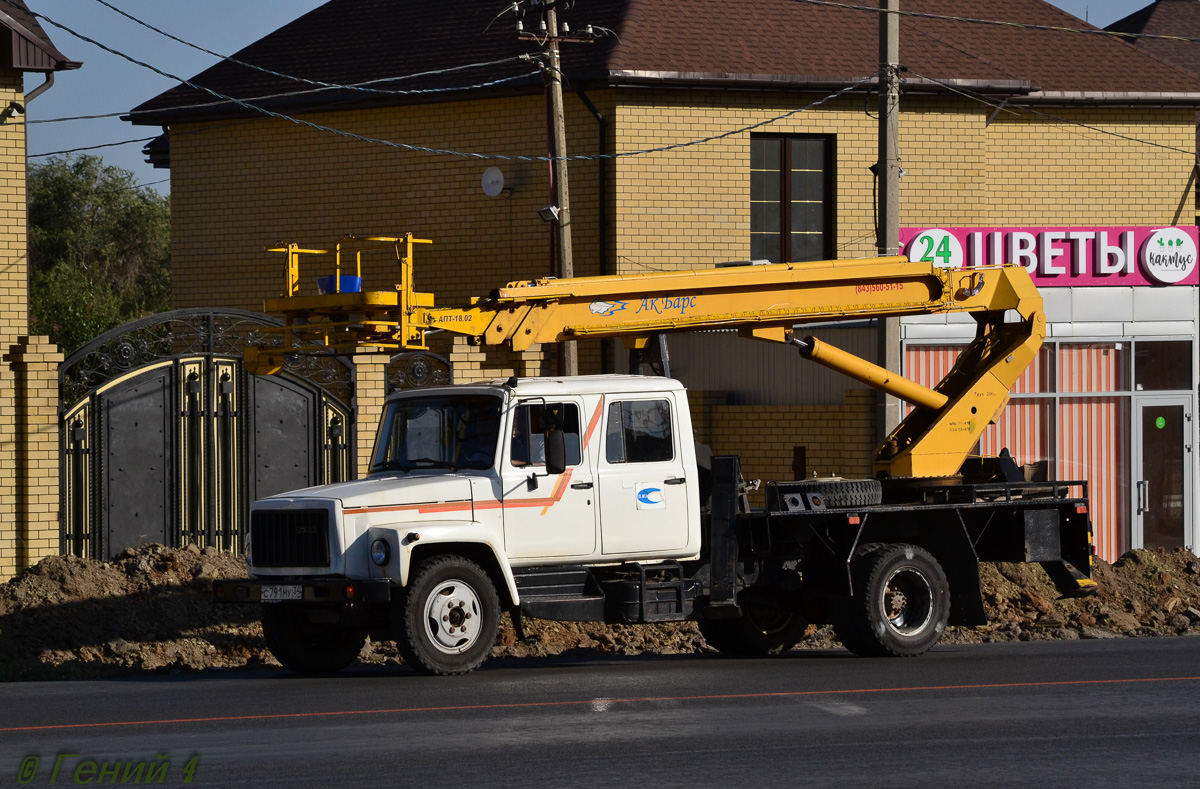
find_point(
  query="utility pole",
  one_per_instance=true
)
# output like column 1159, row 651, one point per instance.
column 569, row 354
column 887, row 241
column 550, row 37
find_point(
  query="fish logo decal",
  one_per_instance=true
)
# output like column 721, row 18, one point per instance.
column 606, row 308
column 649, row 498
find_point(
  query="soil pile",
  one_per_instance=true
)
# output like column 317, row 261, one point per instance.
column 150, row 610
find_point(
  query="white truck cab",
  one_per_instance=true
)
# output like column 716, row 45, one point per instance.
column 465, row 468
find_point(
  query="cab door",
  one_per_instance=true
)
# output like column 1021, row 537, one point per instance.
column 644, row 490
column 548, row 515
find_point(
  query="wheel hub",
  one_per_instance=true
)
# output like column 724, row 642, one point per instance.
column 908, row 601
column 452, row 616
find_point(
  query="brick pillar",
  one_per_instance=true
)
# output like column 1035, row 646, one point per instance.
column 467, row 361
column 35, row 452
column 370, row 389
column 8, row 481
column 530, row 362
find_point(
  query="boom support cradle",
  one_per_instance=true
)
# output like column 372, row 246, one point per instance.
column 762, row 302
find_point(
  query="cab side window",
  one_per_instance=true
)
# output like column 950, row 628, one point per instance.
column 639, row 431
column 529, row 433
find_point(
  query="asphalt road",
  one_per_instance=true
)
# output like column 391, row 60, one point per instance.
column 1083, row 713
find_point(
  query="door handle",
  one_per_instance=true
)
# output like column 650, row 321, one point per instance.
column 580, row 485
column 675, row 481
column 1143, row 495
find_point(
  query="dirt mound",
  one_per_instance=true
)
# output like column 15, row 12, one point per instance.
column 149, row 610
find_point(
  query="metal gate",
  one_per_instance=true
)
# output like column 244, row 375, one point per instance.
column 165, row 437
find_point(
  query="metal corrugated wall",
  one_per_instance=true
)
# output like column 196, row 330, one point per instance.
column 764, row 373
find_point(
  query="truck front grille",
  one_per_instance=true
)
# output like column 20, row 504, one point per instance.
column 289, row 538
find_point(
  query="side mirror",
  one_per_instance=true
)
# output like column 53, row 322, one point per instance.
column 556, row 451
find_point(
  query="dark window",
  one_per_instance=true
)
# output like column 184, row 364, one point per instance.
column 1163, row 365
column 639, row 432
column 529, row 433
column 791, row 198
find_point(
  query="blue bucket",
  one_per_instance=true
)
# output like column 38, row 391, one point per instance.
column 349, row 284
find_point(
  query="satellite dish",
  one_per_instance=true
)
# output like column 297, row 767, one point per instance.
column 493, row 182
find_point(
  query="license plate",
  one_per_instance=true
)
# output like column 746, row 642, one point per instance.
column 276, row 593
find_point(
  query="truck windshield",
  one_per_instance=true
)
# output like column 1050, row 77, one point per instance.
column 439, row 431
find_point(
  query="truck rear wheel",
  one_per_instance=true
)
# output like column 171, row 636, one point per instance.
column 900, row 605
column 762, row 630
column 449, row 617
column 308, row 647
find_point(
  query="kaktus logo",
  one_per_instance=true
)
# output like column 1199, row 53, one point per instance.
column 1168, row 256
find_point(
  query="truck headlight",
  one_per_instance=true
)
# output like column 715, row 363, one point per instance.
column 381, row 552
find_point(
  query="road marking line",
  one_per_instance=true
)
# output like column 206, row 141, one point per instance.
column 590, row 702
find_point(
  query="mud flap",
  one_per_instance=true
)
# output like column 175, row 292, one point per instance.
column 1068, row 580
column 951, row 545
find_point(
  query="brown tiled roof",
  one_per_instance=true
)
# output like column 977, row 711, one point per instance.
column 1166, row 18
column 31, row 48
column 782, row 42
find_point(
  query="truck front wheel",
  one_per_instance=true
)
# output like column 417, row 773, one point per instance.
column 900, row 605
column 305, row 646
column 448, row 619
column 762, row 630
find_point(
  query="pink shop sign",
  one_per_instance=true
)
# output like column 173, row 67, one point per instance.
column 1062, row 256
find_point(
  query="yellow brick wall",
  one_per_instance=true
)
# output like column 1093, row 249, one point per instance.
column 14, row 308
column 235, row 189
column 690, row 207
column 839, row 440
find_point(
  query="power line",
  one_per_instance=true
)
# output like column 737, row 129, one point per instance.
column 300, row 92
column 304, row 80
column 89, row 147
column 982, row 100
column 1000, row 23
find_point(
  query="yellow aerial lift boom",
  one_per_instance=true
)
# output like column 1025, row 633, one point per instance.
column 763, row 302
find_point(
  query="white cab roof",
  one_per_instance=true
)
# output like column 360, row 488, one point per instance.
column 551, row 386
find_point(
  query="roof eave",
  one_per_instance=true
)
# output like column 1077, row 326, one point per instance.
column 50, row 59
column 1123, row 98
column 809, row 82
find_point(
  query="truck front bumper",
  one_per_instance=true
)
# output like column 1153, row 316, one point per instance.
column 325, row 591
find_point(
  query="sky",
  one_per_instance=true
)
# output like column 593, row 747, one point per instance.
column 108, row 83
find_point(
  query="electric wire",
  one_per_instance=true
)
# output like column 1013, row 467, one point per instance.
column 983, row 100
column 306, row 81
column 89, row 148
column 287, row 94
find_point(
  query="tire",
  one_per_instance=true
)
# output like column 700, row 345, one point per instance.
column 762, row 630
column 307, row 647
column 900, row 606
column 449, row 617
column 835, row 493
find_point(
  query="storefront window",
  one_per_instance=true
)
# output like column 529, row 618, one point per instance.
column 1093, row 367
column 1163, row 365
column 1055, row 432
column 1093, row 444
column 1025, row 428
column 1039, row 376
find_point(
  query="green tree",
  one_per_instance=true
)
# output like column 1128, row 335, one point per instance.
column 99, row 249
